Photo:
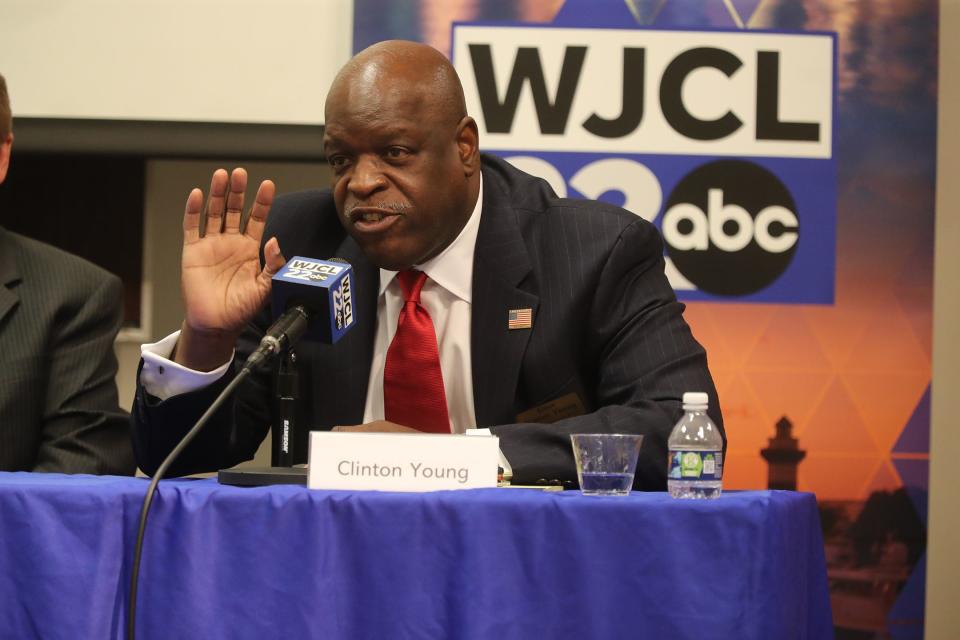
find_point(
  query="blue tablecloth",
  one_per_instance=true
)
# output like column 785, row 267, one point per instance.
column 491, row 564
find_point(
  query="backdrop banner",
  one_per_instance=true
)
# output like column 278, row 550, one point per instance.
column 786, row 150
column 722, row 138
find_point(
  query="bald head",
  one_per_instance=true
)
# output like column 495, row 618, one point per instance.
column 6, row 120
column 415, row 70
column 405, row 155
column 6, row 129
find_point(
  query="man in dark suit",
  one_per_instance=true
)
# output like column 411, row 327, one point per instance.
column 598, row 343
column 59, row 316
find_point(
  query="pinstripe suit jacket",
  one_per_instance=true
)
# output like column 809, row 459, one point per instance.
column 606, row 327
column 59, row 316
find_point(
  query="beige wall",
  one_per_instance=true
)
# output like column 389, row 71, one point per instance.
column 943, row 556
column 192, row 60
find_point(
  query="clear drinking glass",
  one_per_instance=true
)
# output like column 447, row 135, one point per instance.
column 606, row 462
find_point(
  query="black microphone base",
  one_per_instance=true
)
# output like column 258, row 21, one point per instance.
column 262, row 476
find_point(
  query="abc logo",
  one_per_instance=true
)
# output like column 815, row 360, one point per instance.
column 731, row 227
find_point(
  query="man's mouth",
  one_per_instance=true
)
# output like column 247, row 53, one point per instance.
column 372, row 219
column 371, row 216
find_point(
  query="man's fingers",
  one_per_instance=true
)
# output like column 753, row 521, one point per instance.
column 215, row 204
column 191, row 217
column 260, row 210
column 273, row 259
column 235, row 196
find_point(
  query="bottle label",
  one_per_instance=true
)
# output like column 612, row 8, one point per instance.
column 695, row 465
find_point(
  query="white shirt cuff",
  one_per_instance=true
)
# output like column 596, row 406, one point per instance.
column 164, row 378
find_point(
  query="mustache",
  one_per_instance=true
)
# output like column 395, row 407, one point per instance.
column 396, row 207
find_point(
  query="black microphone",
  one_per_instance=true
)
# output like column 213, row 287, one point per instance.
column 281, row 335
column 309, row 296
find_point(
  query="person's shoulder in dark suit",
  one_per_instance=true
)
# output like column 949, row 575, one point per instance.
column 564, row 229
column 59, row 316
column 46, row 270
column 609, row 329
column 532, row 197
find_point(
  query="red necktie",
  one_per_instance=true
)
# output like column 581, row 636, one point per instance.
column 412, row 383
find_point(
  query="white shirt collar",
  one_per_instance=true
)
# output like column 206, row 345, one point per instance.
column 452, row 268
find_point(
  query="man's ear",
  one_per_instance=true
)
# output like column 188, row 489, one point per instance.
column 5, row 145
column 468, row 145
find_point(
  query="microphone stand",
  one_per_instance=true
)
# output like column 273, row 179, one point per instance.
column 288, row 390
column 284, row 434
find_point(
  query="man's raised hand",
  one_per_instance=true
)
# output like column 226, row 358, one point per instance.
column 221, row 281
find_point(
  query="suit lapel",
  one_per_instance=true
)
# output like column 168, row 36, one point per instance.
column 500, row 264
column 9, row 275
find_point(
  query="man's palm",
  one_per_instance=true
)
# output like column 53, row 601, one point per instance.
column 222, row 283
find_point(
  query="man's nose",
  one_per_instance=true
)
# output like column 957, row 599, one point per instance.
column 367, row 177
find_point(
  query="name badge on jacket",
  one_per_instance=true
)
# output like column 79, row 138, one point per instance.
column 568, row 406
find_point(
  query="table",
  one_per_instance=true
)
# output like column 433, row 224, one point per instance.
column 271, row 562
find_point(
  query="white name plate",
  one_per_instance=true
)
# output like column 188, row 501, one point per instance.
column 401, row 461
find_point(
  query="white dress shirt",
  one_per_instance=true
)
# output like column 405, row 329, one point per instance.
column 446, row 296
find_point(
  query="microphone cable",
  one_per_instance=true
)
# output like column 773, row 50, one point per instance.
column 148, row 499
column 280, row 336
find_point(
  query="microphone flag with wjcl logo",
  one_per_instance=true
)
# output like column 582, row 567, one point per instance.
column 324, row 288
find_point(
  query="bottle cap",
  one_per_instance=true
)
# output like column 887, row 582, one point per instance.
column 695, row 399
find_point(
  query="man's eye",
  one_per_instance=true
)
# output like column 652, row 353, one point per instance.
column 397, row 152
column 337, row 162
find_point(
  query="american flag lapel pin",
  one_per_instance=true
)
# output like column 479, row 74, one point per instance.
column 520, row 319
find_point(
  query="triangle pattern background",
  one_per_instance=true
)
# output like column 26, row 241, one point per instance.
column 839, row 477
column 886, row 479
column 739, row 327
column 582, row 13
column 740, row 469
column 915, row 437
column 645, row 11
column 790, row 394
column 694, row 13
column 885, row 400
column 787, row 344
column 742, row 415
column 745, row 8
column 915, row 474
column 709, row 331
column 905, row 620
column 913, row 289
column 836, row 426
column 889, row 343
column 837, row 330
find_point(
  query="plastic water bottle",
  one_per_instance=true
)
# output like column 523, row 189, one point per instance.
column 695, row 467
